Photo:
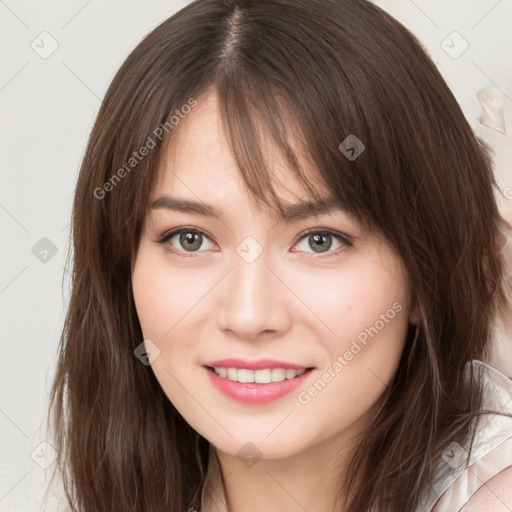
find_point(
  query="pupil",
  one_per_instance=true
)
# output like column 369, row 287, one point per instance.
column 318, row 240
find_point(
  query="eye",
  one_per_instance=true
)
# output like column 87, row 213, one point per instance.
column 321, row 240
column 190, row 239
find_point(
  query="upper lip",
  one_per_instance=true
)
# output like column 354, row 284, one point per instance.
column 259, row 364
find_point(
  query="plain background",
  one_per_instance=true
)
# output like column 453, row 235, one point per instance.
column 48, row 105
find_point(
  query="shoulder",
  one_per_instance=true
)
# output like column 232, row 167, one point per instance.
column 495, row 495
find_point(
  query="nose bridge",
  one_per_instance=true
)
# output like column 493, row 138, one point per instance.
column 254, row 301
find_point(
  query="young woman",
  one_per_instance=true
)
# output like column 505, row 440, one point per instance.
column 287, row 274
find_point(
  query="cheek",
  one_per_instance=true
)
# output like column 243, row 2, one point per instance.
column 371, row 327
column 366, row 316
column 163, row 298
column 163, row 295
column 348, row 300
column 366, row 309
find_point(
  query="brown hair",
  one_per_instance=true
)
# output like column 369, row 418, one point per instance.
column 318, row 71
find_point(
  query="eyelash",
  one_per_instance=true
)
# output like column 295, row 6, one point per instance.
column 344, row 239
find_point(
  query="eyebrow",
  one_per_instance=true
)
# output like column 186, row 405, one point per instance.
column 292, row 212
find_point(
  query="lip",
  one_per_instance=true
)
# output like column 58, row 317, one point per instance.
column 259, row 364
column 253, row 393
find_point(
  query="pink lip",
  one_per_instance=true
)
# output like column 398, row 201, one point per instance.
column 260, row 364
column 252, row 393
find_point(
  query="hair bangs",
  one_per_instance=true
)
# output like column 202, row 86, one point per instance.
column 264, row 128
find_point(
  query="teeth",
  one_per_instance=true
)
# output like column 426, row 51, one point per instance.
column 264, row 376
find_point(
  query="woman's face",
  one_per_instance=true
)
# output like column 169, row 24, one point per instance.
column 255, row 287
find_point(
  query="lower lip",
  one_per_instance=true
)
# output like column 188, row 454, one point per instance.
column 252, row 393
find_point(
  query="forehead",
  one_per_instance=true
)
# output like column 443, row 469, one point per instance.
column 197, row 165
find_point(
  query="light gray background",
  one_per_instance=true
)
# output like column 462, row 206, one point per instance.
column 48, row 106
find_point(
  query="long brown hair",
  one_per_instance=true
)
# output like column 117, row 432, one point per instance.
column 317, row 71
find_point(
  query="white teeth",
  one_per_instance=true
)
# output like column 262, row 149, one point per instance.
column 245, row 376
column 264, row 376
column 278, row 374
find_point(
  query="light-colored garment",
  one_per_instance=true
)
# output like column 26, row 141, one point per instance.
column 492, row 448
column 457, row 481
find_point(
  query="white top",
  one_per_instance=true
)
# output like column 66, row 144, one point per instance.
column 457, row 480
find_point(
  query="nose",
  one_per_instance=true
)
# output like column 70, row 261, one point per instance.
column 254, row 300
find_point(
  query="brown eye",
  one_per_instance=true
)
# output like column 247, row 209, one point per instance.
column 185, row 240
column 323, row 241
column 190, row 240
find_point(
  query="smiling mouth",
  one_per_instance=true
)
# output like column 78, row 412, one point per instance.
column 263, row 376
